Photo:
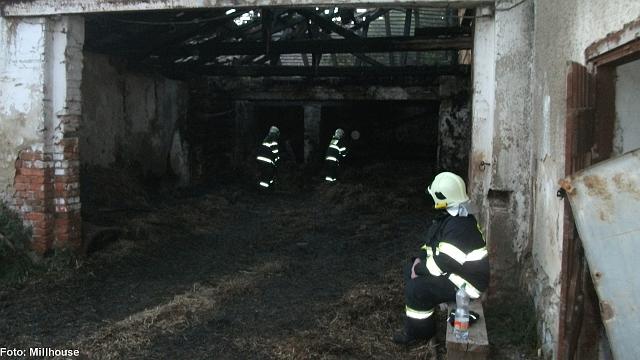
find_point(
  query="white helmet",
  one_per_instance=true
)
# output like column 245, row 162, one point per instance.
column 339, row 133
column 448, row 189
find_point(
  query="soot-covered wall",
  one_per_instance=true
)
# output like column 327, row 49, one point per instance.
column 387, row 129
column 129, row 118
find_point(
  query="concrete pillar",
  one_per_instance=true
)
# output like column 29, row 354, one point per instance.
column 40, row 80
column 312, row 118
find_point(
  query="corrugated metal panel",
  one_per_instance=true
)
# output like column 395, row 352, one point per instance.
column 605, row 200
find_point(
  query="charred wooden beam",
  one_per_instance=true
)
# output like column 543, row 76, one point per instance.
column 207, row 26
column 407, row 32
column 329, row 25
column 332, row 46
column 331, row 71
column 387, row 29
column 54, row 7
column 442, row 31
column 369, row 17
column 267, row 23
column 467, row 18
column 330, row 93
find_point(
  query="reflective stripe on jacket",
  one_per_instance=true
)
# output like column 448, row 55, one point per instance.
column 457, row 250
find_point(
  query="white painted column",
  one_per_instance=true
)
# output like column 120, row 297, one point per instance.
column 482, row 132
column 63, row 111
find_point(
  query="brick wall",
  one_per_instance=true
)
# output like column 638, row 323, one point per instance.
column 47, row 193
column 33, row 195
column 66, row 194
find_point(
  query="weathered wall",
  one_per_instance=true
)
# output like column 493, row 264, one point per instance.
column 501, row 136
column 454, row 132
column 129, row 118
column 520, row 67
column 22, row 71
column 509, row 193
column 563, row 30
column 40, row 75
column 627, row 128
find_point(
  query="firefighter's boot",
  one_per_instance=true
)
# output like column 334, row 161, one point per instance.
column 415, row 330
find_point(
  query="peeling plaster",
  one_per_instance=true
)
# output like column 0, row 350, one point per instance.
column 21, row 93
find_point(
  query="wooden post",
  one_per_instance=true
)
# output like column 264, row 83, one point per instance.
column 477, row 346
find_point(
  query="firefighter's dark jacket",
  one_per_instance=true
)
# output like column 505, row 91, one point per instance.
column 336, row 149
column 464, row 233
column 269, row 149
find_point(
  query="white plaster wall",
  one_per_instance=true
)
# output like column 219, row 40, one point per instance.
column 22, row 71
column 128, row 117
column 627, row 127
column 563, row 30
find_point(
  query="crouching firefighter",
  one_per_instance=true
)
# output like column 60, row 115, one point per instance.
column 267, row 158
column 454, row 253
column 335, row 153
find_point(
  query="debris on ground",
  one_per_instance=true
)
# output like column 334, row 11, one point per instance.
column 230, row 271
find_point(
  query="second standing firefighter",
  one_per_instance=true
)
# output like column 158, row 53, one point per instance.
column 335, row 153
column 268, row 157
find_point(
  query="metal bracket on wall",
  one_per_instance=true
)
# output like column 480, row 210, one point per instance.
column 561, row 193
column 483, row 165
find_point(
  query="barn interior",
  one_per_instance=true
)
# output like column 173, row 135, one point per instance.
column 177, row 234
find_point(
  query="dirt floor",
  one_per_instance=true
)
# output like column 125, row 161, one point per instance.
column 227, row 272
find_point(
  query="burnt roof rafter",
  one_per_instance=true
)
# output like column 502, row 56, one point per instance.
column 336, row 46
column 364, row 72
column 330, row 26
column 260, row 37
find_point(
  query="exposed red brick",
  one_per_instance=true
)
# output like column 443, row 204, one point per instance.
column 33, row 216
column 30, row 156
column 50, row 202
column 68, row 179
column 71, row 156
column 38, row 179
column 40, row 244
column 21, row 179
column 30, row 172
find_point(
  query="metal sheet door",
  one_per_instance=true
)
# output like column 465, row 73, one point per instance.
column 605, row 200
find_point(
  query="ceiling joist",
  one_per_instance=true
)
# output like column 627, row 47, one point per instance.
column 334, row 46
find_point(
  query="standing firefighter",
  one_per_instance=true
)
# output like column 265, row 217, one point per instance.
column 453, row 254
column 335, row 153
column 268, row 158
